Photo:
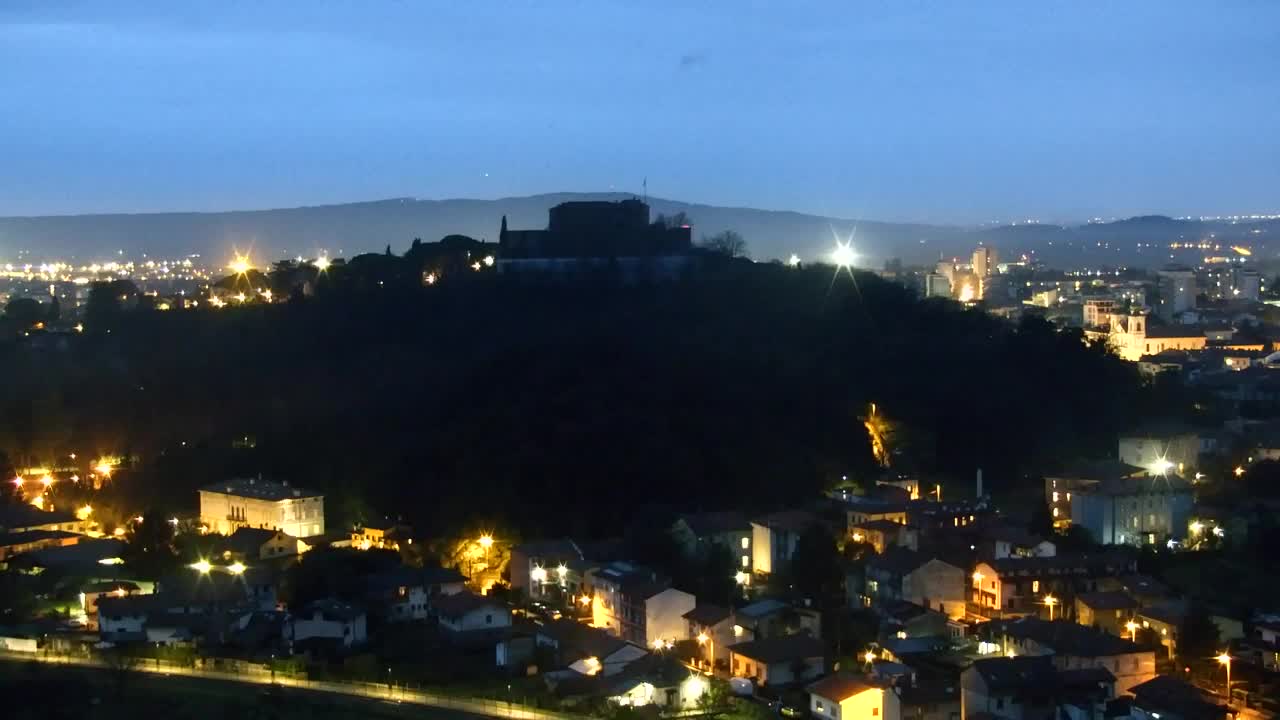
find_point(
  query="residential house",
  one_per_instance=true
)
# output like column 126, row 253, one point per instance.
column 584, row 650
column 467, row 612
column 1166, row 697
column 778, row 661
column 882, row 534
column 1109, row 611
column 714, row 628
column 905, row 620
column 24, row 517
column 1073, row 646
column 187, row 607
column 1059, row 488
column 770, row 617
column 405, row 594
column 248, row 544
column 699, row 533
column 651, row 681
column 636, row 605
column 24, row 541
column 1016, row 586
column 1031, row 688
column 844, row 696
column 92, row 592
column 1163, row 621
column 385, row 534
column 1157, row 450
column 547, row 569
column 920, row 578
column 998, row 542
column 330, row 621
column 774, row 538
column 1123, row 504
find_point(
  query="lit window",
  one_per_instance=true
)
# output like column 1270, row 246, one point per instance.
column 1068, row 497
column 1055, row 496
column 746, row 560
column 745, row 543
column 1035, row 586
column 1055, row 512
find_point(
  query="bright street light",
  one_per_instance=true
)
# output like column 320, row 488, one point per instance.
column 1050, row 601
column 240, row 265
column 843, row 256
column 236, row 568
column 793, row 261
column 1161, row 466
column 201, row 566
column 321, row 263
column 1132, row 627
column 1225, row 660
column 486, row 542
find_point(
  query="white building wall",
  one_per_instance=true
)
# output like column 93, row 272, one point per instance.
column 300, row 517
column 761, row 549
column 663, row 615
column 350, row 632
column 487, row 618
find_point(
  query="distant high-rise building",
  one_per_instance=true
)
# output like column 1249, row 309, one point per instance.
column 1247, row 284
column 1097, row 312
column 937, row 285
column 984, row 261
column 1177, row 287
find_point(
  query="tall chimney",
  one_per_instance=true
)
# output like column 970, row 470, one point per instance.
column 979, row 483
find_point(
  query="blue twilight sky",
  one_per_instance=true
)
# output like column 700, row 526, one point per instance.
column 954, row 110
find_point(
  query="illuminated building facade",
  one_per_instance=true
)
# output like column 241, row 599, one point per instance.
column 255, row 503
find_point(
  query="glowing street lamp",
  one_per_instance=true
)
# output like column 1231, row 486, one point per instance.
column 741, row 577
column 843, row 255
column 1050, row 601
column 46, row 481
column 793, row 261
column 1239, row 471
column 869, row 656
column 704, row 639
column 321, row 263
column 1196, row 527
column 1225, row 660
column 202, row 566
column 1132, row 627
column 236, row 568
column 240, row 265
column 1161, row 466
column 486, row 542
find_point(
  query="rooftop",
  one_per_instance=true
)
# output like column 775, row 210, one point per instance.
column 716, row 523
column 1166, row 693
column 707, row 614
column 259, row 489
column 562, row 548
column 898, row 560
column 459, row 604
column 841, row 686
column 1005, row 675
column 780, row 649
column 1107, row 600
column 1063, row 637
column 796, row 521
column 24, row 515
column 581, row 640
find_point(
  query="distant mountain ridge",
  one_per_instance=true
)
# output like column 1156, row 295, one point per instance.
column 352, row 228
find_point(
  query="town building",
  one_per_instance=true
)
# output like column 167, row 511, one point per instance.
column 1170, row 450
column 1020, row 586
column 24, row 517
column 467, row 612
column 1168, row 698
column 1110, row 611
column 1096, row 312
column 1072, row 646
column 1031, row 688
column 1134, row 510
column 636, row 605
column 247, row 544
column 329, row 622
column 714, row 628
column 778, row 661
column 547, row 569
column 1132, row 337
column 585, row 650
column 1177, row 290
column 923, row 579
column 885, row 534
column 256, row 503
column 844, row 696
column 774, row 538
column 700, row 533
column 593, row 237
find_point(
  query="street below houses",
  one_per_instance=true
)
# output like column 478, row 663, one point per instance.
column 377, row 699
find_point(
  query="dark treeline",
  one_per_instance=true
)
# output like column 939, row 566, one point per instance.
column 563, row 410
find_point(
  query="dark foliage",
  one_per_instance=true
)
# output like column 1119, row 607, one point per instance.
column 553, row 410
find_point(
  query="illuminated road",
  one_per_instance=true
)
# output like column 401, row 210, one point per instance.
column 263, row 677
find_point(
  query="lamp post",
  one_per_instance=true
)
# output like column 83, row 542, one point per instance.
column 704, row 639
column 1225, row 660
column 1050, row 601
column 1132, row 627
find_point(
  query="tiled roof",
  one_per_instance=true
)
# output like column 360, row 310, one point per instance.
column 459, row 604
column 707, row 614
column 840, row 686
column 1107, row 601
column 260, row 489
column 715, row 523
column 780, row 649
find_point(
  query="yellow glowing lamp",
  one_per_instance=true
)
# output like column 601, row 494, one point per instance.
column 201, row 566
column 236, row 568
